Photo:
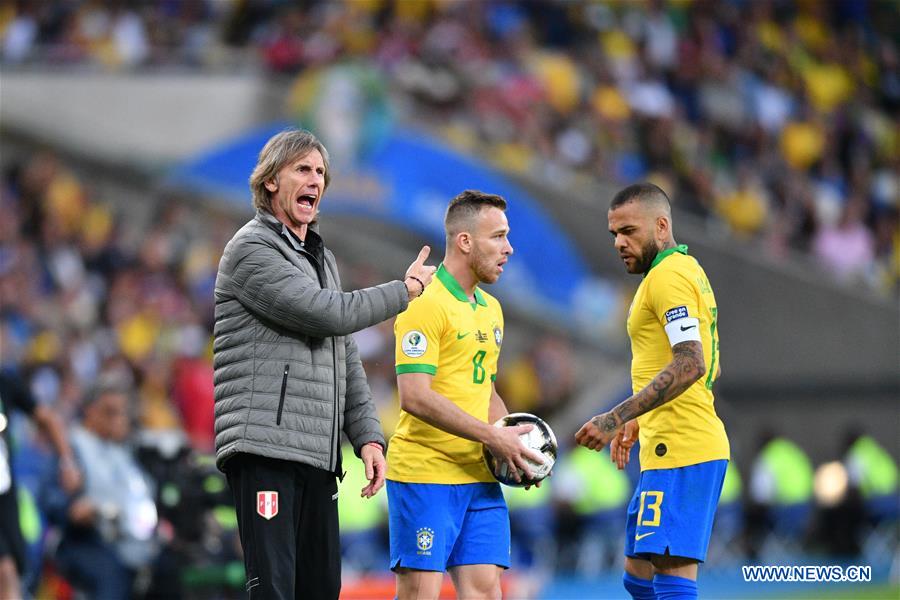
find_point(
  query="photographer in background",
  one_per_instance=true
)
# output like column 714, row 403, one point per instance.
column 108, row 525
column 12, row 547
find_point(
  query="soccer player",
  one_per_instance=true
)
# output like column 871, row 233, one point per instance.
column 675, row 361
column 446, row 509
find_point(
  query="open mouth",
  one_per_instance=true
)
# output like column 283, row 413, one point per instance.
column 307, row 200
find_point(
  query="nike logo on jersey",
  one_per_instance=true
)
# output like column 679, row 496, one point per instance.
column 683, row 328
column 638, row 538
column 460, row 336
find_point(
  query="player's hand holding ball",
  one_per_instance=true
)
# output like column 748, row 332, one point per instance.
column 523, row 452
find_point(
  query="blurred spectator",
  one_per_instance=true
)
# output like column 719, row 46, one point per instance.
column 191, row 496
column 192, row 393
column 847, row 248
column 109, row 524
column 780, row 496
column 13, row 395
column 745, row 206
column 873, row 472
column 592, row 496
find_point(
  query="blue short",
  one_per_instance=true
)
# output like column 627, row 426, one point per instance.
column 437, row 526
column 673, row 509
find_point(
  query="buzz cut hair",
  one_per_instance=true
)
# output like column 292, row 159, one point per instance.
column 644, row 193
column 465, row 207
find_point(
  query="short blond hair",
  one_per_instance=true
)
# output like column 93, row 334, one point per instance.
column 462, row 210
column 281, row 149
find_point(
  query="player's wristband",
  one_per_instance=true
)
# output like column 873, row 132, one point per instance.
column 419, row 281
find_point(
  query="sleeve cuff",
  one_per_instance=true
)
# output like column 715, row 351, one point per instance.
column 416, row 368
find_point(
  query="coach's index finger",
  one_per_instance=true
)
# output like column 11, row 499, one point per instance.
column 423, row 256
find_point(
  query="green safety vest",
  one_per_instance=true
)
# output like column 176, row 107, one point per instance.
column 605, row 486
column 519, row 497
column 878, row 470
column 791, row 469
column 732, row 486
column 29, row 518
column 355, row 513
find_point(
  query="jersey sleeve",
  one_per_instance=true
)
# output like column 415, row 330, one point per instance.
column 417, row 334
column 675, row 302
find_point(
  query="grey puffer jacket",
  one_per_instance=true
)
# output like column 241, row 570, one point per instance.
column 288, row 377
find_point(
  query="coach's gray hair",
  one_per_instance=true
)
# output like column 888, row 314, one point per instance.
column 281, row 149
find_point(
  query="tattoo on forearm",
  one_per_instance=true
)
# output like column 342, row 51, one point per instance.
column 606, row 424
column 686, row 367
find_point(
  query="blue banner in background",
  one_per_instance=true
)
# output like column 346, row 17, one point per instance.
column 408, row 181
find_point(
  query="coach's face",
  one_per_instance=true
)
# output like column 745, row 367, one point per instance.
column 297, row 190
column 634, row 236
column 490, row 244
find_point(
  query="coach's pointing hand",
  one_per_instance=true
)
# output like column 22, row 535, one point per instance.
column 419, row 275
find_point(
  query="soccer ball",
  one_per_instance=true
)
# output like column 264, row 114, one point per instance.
column 540, row 438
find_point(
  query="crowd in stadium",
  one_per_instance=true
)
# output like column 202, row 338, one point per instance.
column 746, row 111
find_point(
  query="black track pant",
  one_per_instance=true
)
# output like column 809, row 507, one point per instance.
column 296, row 552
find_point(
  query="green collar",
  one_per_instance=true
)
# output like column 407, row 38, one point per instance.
column 682, row 248
column 454, row 288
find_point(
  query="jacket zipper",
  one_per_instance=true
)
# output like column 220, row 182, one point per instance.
column 334, row 424
column 281, row 397
column 332, row 454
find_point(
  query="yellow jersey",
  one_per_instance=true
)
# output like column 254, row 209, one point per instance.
column 673, row 299
column 458, row 342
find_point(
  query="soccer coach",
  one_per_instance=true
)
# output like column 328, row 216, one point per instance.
column 288, row 377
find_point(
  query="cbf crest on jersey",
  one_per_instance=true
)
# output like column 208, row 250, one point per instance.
column 414, row 344
column 424, row 540
column 267, row 504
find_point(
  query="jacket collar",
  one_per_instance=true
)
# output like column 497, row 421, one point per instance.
column 313, row 243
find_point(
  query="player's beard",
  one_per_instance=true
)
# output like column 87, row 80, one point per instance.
column 648, row 255
column 485, row 269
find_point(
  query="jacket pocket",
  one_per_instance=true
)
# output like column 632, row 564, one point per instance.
column 281, row 396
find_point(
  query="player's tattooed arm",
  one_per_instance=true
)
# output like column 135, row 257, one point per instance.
column 687, row 366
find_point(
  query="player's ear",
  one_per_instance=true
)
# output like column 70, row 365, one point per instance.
column 464, row 242
column 663, row 227
column 272, row 184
